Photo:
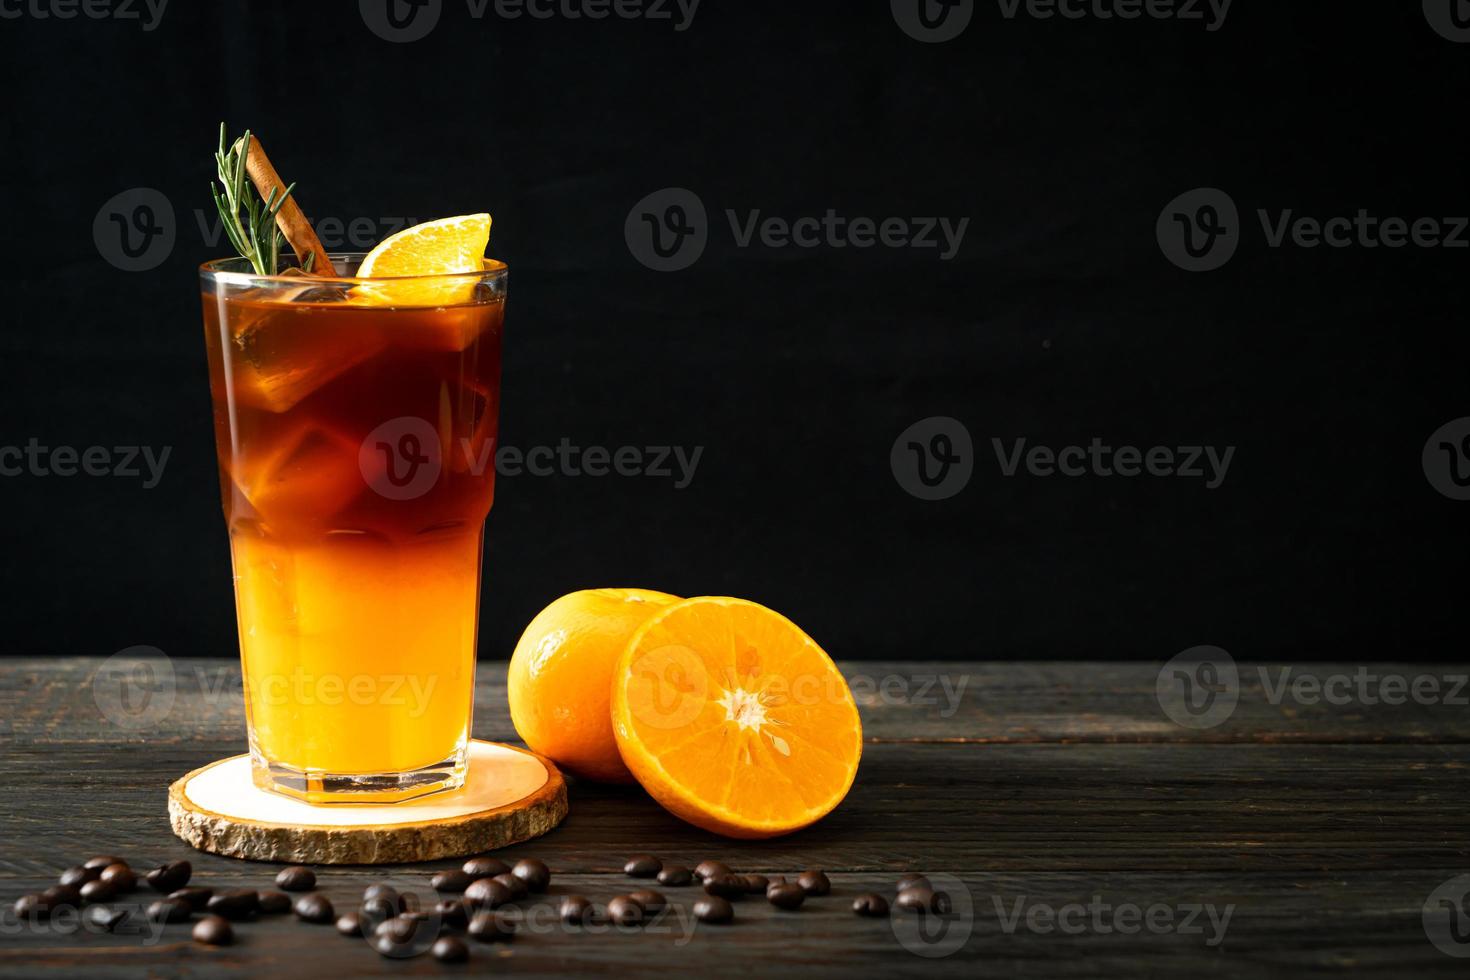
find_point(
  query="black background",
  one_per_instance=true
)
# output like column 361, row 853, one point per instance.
column 796, row 369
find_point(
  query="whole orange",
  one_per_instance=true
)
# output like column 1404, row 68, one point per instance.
column 560, row 678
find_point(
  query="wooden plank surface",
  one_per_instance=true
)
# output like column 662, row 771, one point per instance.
column 1039, row 787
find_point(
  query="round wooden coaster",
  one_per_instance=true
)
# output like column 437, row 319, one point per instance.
column 510, row 795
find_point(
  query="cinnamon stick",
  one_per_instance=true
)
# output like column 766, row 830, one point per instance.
column 290, row 219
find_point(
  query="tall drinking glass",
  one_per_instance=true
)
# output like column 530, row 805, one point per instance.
column 355, row 422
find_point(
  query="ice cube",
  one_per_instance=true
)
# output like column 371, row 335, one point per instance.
column 302, row 478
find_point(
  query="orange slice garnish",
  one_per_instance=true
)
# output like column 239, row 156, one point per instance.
column 443, row 247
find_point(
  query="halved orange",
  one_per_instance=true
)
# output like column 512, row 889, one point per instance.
column 734, row 719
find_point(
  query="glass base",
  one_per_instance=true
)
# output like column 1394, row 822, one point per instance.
column 314, row 786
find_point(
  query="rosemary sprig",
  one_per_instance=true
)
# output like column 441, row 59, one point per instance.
column 249, row 222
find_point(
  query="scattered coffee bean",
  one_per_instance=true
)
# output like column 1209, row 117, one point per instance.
column 452, row 882
column 675, row 876
column 643, row 866
column 106, row 917
column 213, row 931
column 576, row 909
column 488, row 893
column 755, row 884
column 96, row 892
column 706, row 870
column 235, row 904
column 315, row 907
column 490, row 927
column 296, row 878
column 453, row 912
column 814, row 882
column 518, row 889
column 651, row 900
column 60, row 896
column 624, row 911
column 32, row 907
column 533, row 872
column 911, row 880
column 383, row 891
column 120, row 877
column 197, row 898
column 870, row 905
column 378, row 908
column 79, row 876
column 725, row 885
column 713, row 909
column 450, row 949
column 169, row 877
column 273, row 903
column 788, row 897
column 170, row 910
column 923, row 899
column 349, row 924
column 103, row 861
column 485, row 867
column 403, row 929
column 776, row 880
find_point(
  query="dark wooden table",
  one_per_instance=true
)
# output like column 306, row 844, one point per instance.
column 1058, row 795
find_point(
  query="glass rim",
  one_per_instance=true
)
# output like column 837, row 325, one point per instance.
column 214, row 270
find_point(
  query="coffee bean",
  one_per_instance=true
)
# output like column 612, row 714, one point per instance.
column 102, row 861
column 922, row 899
column 272, row 903
column 213, row 931
column 706, row 870
column 169, row 877
column 788, row 897
column 575, row 909
column 651, row 900
column 79, row 876
column 97, row 892
column 814, row 882
column 870, row 905
column 32, row 906
column 755, row 884
column 491, row 927
column 533, row 872
column 485, row 867
column 449, row 949
column 625, row 911
column 120, row 877
column 296, row 878
column 910, row 880
column 379, row 908
column 170, row 910
column 452, row 882
column 106, row 917
column 61, row 896
column 643, row 866
column 349, row 924
column 404, row 929
column 315, row 907
column 675, row 876
column 518, row 889
column 713, row 909
column 453, row 912
column 488, row 893
column 725, row 885
column 197, row 898
column 235, row 904
column 383, row 891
